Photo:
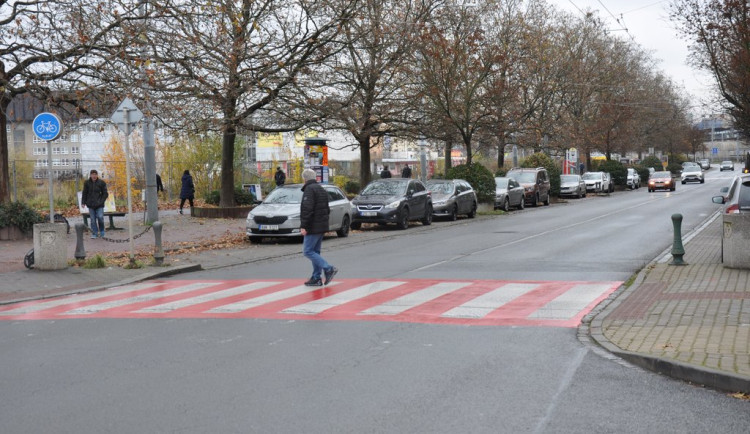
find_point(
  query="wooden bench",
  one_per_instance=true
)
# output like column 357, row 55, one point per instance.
column 111, row 216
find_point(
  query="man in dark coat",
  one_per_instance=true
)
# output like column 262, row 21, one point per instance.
column 385, row 173
column 314, row 213
column 187, row 190
column 94, row 196
column 279, row 177
column 159, row 184
column 406, row 172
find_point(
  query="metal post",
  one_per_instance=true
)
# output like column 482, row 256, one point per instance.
column 158, row 250
column 678, row 251
column 80, row 253
column 15, row 183
column 127, row 175
column 49, row 179
column 149, row 154
column 515, row 155
column 423, row 159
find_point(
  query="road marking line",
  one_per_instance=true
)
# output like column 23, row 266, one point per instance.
column 482, row 305
column 265, row 299
column 571, row 302
column 408, row 301
column 225, row 293
column 318, row 306
column 96, row 308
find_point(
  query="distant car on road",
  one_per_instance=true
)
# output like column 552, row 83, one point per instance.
column 692, row 173
column 634, row 179
column 705, row 164
column 661, row 181
column 451, row 197
column 508, row 193
column 726, row 165
column 572, row 185
column 393, row 200
column 278, row 215
column 737, row 198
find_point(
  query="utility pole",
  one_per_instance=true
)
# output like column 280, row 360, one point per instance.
column 149, row 151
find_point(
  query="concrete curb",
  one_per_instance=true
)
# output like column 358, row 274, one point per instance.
column 592, row 325
column 168, row 271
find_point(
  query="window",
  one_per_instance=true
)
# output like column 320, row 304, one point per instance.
column 334, row 195
column 75, row 150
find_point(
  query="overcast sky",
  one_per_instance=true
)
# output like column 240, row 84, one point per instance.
column 647, row 22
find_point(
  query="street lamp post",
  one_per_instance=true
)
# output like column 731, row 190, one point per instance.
column 423, row 159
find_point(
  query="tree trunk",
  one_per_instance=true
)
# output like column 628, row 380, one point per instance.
column 365, row 174
column 448, row 157
column 4, row 154
column 227, row 166
column 467, row 144
column 500, row 156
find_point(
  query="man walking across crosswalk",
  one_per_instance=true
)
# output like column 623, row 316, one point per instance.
column 314, row 213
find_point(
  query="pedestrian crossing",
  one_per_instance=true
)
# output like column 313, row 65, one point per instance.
column 462, row 302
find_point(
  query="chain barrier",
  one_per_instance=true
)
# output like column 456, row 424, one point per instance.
column 135, row 237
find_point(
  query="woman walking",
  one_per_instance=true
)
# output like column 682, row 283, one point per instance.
column 187, row 191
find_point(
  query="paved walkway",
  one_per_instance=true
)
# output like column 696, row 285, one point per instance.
column 690, row 322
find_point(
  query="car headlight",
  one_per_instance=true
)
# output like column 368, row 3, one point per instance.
column 393, row 205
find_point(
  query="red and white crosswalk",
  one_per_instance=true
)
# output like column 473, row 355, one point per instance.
column 466, row 302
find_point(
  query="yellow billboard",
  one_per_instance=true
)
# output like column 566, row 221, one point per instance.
column 269, row 140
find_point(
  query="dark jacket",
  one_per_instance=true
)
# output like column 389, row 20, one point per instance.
column 406, row 172
column 385, row 173
column 94, row 193
column 187, row 191
column 280, row 177
column 314, row 210
column 159, row 184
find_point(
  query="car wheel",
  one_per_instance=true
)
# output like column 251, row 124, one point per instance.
column 579, row 195
column 683, row 182
column 702, row 180
column 673, row 188
column 546, row 200
column 356, row 226
column 343, row 232
column 256, row 240
column 403, row 219
column 536, row 200
column 454, row 213
column 427, row 219
column 506, row 205
column 473, row 212
column 522, row 203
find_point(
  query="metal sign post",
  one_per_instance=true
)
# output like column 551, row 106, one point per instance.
column 47, row 127
column 126, row 113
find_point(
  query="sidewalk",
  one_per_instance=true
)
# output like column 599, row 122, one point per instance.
column 689, row 322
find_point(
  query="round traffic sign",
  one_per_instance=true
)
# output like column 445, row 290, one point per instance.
column 47, row 126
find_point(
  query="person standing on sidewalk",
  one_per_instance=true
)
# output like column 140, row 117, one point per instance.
column 187, row 190
column 406, row 172
column 279, row 177
column 314, row 212
column 94, row 196
column 385, row 173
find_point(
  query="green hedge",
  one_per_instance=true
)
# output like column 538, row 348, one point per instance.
column 241, row 197
column 20, row 215
column 618, row 171
column 543, row 160
column 479, row 177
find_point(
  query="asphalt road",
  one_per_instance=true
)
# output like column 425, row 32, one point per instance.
column 261, row 375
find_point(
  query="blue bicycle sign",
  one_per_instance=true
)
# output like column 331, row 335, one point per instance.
column 47, row 126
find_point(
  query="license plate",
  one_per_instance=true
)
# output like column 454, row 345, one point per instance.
column 369, row 213
column 269, row 227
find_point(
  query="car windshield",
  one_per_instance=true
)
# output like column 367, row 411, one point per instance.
column 523, row 177
column 568, row 178
column 440, row 187
column 592, row 175
column 662, row 175
column 692, row 169
column 728, row 163
column 501, row 182
column 385, row 188
column 285, row 195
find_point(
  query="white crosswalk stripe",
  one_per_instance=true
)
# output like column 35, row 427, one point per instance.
column 480, row 306
column 218, row 295
column 408, row 301
column 318, row 306
column 264, row 299
column 572, row 301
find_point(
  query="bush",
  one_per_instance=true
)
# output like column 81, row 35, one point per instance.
column 643, row 173
column 543, row 160
column 352, row 187
column 241, row 197
column 618, row 171
column 651, row 161
column 675, row 168
column 20, row 215
column 479, row 177
column 501, row 172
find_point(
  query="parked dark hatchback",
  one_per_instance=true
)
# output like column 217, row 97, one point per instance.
column 535, row 183
column 451, row 197
column 394, row 200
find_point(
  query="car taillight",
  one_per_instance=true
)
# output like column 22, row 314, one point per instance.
column 733, row 209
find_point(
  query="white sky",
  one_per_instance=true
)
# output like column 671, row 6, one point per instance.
column 647, row 22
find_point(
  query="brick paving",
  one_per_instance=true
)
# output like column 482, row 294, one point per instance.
column 695, row 316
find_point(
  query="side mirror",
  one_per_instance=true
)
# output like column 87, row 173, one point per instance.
column 718, row 199
column 410, row 193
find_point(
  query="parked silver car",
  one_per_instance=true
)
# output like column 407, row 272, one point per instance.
column 451, row 197
column 572, row 185
column 633, row 180
column 736, row 199
column 598, row 182
column 278, row 214
column 508, row 193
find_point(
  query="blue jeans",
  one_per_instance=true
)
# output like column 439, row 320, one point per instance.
column 97, row 220
column 311, row 250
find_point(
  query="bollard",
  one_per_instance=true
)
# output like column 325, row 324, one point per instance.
column 80, row 253
column 158, row 251
column 678, row 251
